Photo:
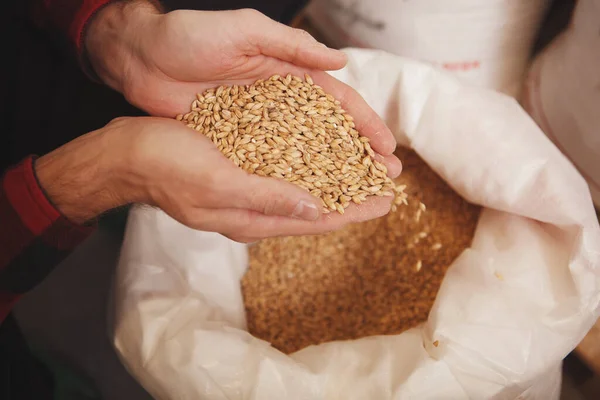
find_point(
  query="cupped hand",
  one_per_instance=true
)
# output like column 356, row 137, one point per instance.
column 163, row 163
column 182, row 172
column 160, row 61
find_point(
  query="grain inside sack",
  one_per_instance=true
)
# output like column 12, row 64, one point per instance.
column 289, row 128
column 378, row 277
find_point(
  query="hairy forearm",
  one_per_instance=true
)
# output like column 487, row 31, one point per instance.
column 85, row 177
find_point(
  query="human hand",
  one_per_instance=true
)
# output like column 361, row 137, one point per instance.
column 160, row 61
column 163, row 163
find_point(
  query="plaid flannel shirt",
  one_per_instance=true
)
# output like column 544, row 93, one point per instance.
column 34, row 236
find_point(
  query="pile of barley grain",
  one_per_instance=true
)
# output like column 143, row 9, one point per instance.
column 287, row 128
column 372, row 278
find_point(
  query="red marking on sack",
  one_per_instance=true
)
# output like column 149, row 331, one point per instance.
column 461, row 66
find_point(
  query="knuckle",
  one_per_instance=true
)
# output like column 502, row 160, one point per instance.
column 274, row 204
column 249, row 13
column 120, row 120
column 303, row 35
column 175, row 17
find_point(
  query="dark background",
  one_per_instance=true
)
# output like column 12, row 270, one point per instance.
column 46, row 100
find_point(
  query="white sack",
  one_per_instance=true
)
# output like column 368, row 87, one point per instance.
column 487, row 43
column 510, row 308
column 563, row 92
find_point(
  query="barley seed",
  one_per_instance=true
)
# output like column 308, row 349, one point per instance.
column 289, row 128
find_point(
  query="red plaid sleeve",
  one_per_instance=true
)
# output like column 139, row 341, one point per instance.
column 34, row 236
column 68, row 16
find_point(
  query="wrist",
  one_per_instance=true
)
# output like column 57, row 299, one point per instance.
column 114, row 38
column 83, row 178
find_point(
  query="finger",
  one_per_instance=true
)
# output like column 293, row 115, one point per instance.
column 366, row 120
column 392, row 163
column 239, row 223
column 292, row 45
column 243, row 239
column 268, row 196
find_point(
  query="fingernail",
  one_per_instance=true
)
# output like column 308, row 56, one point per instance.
column 305, row 210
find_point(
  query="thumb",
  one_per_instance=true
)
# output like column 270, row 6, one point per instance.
column 272, row 196
column 295, row 46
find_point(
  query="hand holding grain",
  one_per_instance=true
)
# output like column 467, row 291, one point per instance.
column 186, row 175
column 163, row 163
column 289, row 128
column 160, row 62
